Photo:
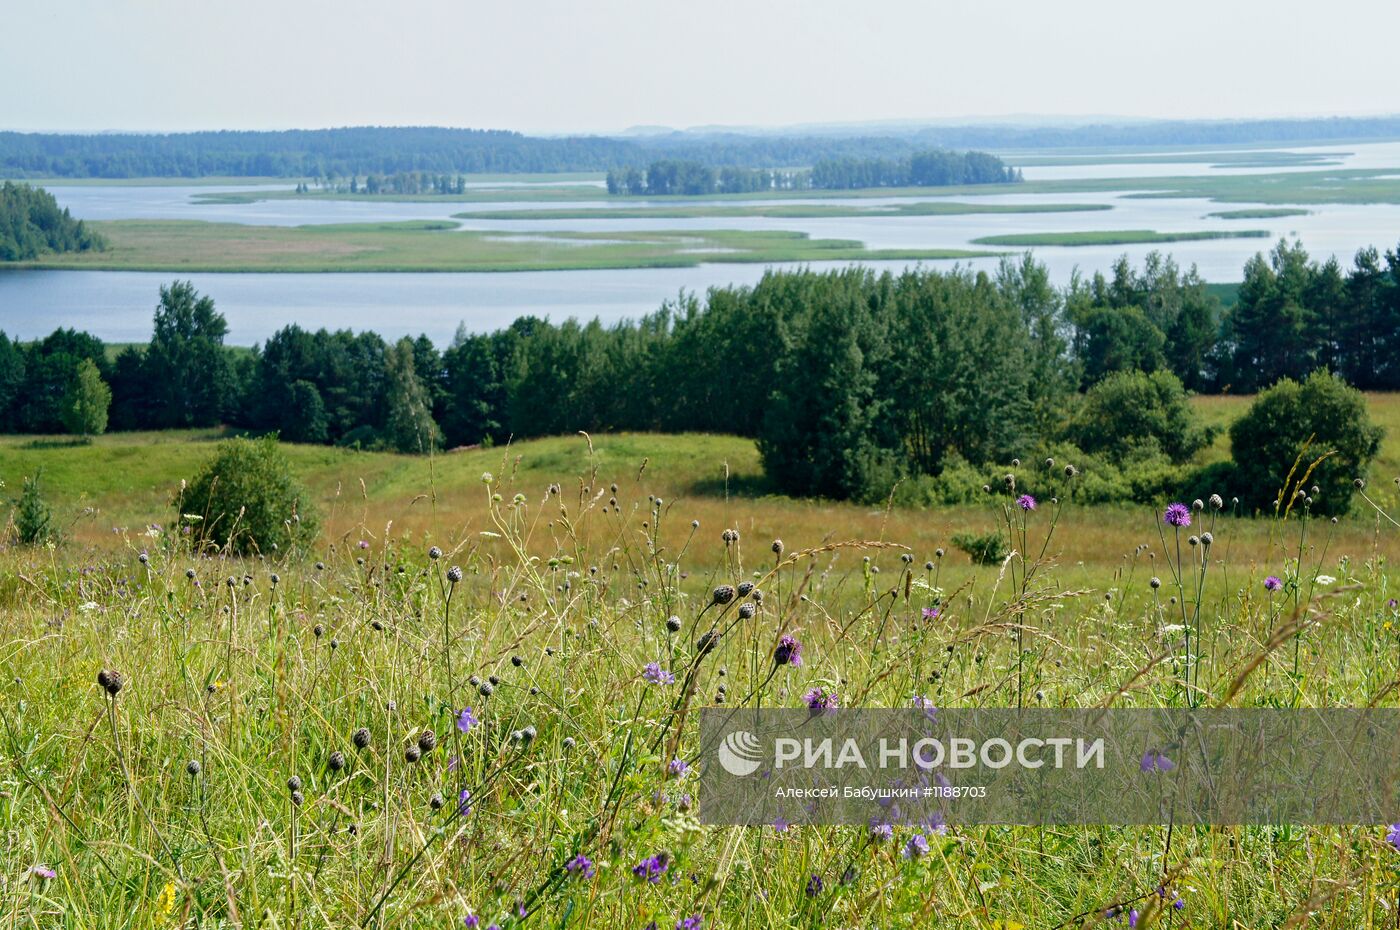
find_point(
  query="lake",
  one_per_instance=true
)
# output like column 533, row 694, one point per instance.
column 117, row 306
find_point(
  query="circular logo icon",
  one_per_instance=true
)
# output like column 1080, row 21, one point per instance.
column 739, row 753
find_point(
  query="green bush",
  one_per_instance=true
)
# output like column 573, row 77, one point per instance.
column 245, row 500
column 1129, row 414
column 33, row 518
column 982, row 548
column 1300, row 423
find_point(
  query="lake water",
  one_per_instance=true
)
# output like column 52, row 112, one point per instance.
column 117, row 306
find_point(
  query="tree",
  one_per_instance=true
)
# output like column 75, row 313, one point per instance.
column 85, row 406
column 1130, row 412
column 245, row 500
column 1321, row 420
column 409, row 425
column 11, row 383
column 1109, row 339
column 33, row 518
column 305, row 414
column 1271, row 323
column 187, row 371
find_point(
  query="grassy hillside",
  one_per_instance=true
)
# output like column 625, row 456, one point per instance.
column 122, row 482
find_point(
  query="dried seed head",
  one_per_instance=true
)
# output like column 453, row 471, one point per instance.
column 336, row 761
column 1155, row 582
column 360, row 738
column 747, row 610
column 1217, row 502
column 722, row 594
column 673, row 624
column 707, row 642
column 193, row 768
column 435, row 802
column 294, row 783
column 745, row 588
column 434, row 553
column 297, row 798
column 411, row 754
column 777, row 547
column 454, row 574
column 486, row 689
column 114, row 683
column 427, row 741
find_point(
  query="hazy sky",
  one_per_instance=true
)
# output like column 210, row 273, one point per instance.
column 597, row 65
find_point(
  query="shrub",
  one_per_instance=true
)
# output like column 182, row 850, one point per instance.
column 1129, row 411
column 982, row 548
column 246, row 500
column 33, row 518
column 1294, row 423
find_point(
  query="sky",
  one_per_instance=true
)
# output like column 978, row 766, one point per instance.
column 554, row 66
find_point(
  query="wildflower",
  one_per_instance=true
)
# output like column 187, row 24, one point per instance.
column 926, row 705
column 166, row 903
column 781, row 824
column 1177, row 515
column 1025, row 502
column 1393, row 836
column 42, row 871
column 789, row 652
column 364, row 544
column 677, row 767
column 1272, row 583
column 931, row 613
column 1326, row 579
column 879, row 832
column 466, row 720
column 815, row 885
column 1133, row 918
column 693, row 922
column 580, row 866
column 1155, row 761
column 917, row 847
column 652, row 868
column 464, row 803
column 454, row 574
column 819, row 700
column 471, row 921
column 654, row 673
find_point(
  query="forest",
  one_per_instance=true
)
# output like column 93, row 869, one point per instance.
column 852, row 382
column 921, row 169
column 358, row 151
column 32, row 224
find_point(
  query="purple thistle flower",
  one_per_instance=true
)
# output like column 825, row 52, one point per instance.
column 789, row 652
column 1025, row 502
column 652, row 868
column 364, row 544
column 1272, row 583
column 1177, row 515
column 580, row 866
column 917, row 847
column 43, row 871
column 931, row 613
column 654, row 673
column 1393, row 836
column 466, row 720
column 820, row 701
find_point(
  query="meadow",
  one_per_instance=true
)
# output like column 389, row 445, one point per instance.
column 382, row 734
column 435, row 245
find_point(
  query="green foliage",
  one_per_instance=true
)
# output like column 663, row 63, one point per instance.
column 1292, row 425
column 982, row 548
column 89, row 397
column 1130, row 412
column 33, row 518
column 305, row 414
column 245, row 500
column 187, row 371
column 409, row 425
column 31, row 224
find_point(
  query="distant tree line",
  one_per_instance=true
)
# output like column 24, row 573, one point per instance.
column 32, row 224
column 921, row 169
column 359, row 151
column 851, row 382
column 400, row 182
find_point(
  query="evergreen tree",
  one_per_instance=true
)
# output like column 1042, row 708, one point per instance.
column 187, row 371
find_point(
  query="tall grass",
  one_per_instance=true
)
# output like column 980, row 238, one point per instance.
column 224, row 781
